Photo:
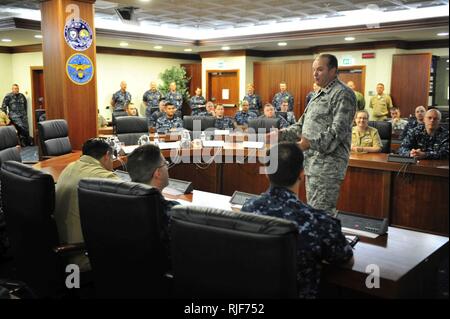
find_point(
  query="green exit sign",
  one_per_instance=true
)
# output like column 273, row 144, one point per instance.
column 346, row 61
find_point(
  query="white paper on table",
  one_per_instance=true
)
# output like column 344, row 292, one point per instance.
column 130, row 148
column 168, row 145
column 250, row 144
column 172, row 191
column 213, row 143
column 221, row 132
column 225, row 94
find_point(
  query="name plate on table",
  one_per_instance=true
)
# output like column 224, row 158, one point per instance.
column 362, row 225
column 184, row 187
column 239, row 198
column 168, row 145
column 249, row 144
column 401, row 159
column 213, row 143
column 221, row 132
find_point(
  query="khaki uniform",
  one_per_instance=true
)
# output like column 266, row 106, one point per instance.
column 360, row 101
column 368, row 138
column 67, row 213
column 381, row 104
column 4, row 119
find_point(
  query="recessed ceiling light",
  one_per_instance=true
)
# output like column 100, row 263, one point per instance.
column 447, row 61
column 145, row 1
column 187, row 50
column 123, row 44
column 6, row 40
column 38, row 36
column 282, row 44
column 349, row 38
column 157, row 47
column 225, row 48
column 442, row 34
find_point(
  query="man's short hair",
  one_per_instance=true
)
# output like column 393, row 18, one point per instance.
column 168, row 103
column 380, row 84
column 96, row 148
column 268, row 105
column 290, row 163
column 439, row 114
column 143, row 162
column 332, row 60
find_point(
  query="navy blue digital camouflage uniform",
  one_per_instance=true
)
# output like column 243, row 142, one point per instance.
column 15, row 105
column 412, row 123
column 283, row 122
column 279, row 98
column 165, row 124
column 195, row 102
column 176, row 99
column 435, row 146
column 151, row 121
column 223, row 123
column 320, row 237
column 151, row 100
column 242, row 117
column 254, row 103
column 122, row 100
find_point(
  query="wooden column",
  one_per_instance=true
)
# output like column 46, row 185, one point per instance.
column 75, row 103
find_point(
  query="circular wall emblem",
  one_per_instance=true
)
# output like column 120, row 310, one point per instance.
column 78, row 34
column 79, row 68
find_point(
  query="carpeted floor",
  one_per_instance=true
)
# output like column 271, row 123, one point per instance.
column 29, row 154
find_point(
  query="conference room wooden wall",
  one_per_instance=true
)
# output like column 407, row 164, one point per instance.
column 297, row 74
column 410, row 80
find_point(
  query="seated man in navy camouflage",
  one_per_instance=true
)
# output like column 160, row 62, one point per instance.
column 320, row 237
column 242, row 117
column 209, row 111
column 269, row 113
column 169, row 121
column 222, row 122
column 153, row 118
column 428, row 140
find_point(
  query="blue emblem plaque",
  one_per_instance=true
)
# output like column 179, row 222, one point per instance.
column 79, row 68
column 78, row 34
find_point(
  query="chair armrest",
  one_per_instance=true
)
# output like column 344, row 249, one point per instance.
column 69, row 248
column 30, row 162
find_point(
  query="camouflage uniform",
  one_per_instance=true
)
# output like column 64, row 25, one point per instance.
column 254, row 103
column 320, row 237
column 360, row 101
column 327, row 124
column 399, row 125
column 165, row 124
column 435, row 146
column 223, row 123
column 195, row 102
column 121, row 99
column 176, row 99
column 283, row 122
column 309, row 96
column 290, row 119
column 279, row 98
column 412, row 123
column 242, row 117
column 15, row 105
column 151, row 100
column 151, row 121
column 381, row 104
column 4, row 119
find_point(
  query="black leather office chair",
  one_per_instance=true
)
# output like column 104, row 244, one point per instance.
column 121, row 224
column 130, row 128
column 385, row 131
column 222, row 254
column 263, row 124
column 9, row 143
column 206, row 122
column 28, row 198
column 54, row 137
column 114, row 116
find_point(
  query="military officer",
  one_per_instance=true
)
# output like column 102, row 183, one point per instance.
column 290, row 117
column 428, row 140
column 254, row 101
column 209, row 110
column 121, row 99
column 222, row 122
column 151, row 99
column 381, row 104
column 197, row 103
column 325, row 132
column 319, row 235
column 242, row 117
column 415, row 121
column 175, row 98
column 360, row 101
column 269, row 112
column 281, row 96
column 169, row 121
column 156, row 115
column 15, row 106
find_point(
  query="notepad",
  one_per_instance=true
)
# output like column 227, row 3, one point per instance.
column 249, row 144
column 169, row 145
column 130, row 148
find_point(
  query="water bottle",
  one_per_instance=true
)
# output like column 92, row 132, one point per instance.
column 156, row 138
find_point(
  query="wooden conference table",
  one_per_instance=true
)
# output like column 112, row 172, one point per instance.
column 407, row 260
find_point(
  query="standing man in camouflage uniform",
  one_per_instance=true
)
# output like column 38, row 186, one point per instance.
column 197, row 103
column 319, row 235
column 121, row 99
column 175, row 98
column 325, row 133
column 281, row 96
column 151, row 99
column 242, row 117
column 169, row 121
column 360, row 101
column 381, row 104
column 254, row 101
column 15, row 105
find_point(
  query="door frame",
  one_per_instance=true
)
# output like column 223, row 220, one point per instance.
column 33, row 94
column 208, row 72
column 363, row 75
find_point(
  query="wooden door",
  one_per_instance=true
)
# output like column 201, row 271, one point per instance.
column 356, row 73
column 223, row 88
column 38, row 99
column 194, row 73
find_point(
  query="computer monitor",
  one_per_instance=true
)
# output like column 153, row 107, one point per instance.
column 263, row 123
column 205, row 122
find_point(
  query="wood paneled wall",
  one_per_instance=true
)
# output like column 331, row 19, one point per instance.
column 194, row 71
column 297, row 75
column 410, row 81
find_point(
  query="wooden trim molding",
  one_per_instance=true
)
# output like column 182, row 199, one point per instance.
column 6, row 50
column 27, row 48
column 147, row 53
column 144, row 36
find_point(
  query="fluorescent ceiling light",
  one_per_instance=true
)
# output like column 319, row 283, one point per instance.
column 442, row 34
column 157, row 47
column 187, row 50
column 6, row 40
column 123, row 44
column 38, row 36
column 349, row 38
column 282, row 44
column 225, row 48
